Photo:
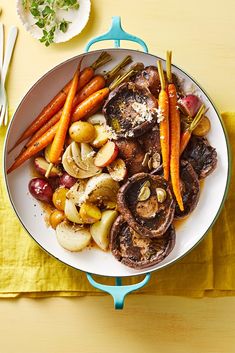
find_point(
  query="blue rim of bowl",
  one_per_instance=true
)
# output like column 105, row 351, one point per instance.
column 148, row 270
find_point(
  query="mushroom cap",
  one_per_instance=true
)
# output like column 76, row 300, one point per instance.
column 190, row 189
column 201, row 155
column 149, row 217
column 138, row 252
column 130, row 110
column 133, row 154
column 149, row 78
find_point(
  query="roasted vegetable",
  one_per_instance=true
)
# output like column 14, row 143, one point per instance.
column 130, row 110
column 133, row 250
column 190, row 189
column 201, row 155
column 72, row 237
column 100, row 231
column 138, row 204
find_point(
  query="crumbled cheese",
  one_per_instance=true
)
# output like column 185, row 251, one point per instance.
column 160, row 116
column 111, row 132
column 144, row 114
column 129, row 133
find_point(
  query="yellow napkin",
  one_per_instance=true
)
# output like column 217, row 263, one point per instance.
column 209, row 269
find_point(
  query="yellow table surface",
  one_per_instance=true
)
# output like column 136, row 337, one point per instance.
column 201, row 35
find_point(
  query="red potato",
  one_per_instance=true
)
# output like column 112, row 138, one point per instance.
column 190, row 105
column 40, row 189
column 41, row 166
column 67, row 180
column 117, row 170
column 106, row 155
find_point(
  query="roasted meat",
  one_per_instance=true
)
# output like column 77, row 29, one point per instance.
column 130, row 110
column 201, row 155
column 138, row 252
column 132, row 153
column 146, row 203
column 190, row 189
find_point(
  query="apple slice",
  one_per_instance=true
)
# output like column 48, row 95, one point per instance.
column 117, row 169
column 102, row 136
column 41, row 166
column 106, row 155
column 100, row 230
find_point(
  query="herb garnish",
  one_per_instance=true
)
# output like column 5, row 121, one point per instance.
column 44, row 12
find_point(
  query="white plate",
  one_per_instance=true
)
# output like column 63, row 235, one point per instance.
column 188, row 234
column 78, row 19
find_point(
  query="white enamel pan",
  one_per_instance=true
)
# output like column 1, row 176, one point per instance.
column 94, row 261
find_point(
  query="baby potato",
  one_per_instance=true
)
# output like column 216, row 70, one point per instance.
column 90, row 213
column 203, row 127
column 100, row 230
column 82, row 131
column 101, row 136
column 59, row 198
column 56, row 217
column 72, row 237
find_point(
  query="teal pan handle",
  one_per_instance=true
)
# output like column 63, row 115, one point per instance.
column 117, row 34
column 118, row 292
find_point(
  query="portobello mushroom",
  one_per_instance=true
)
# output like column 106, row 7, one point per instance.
column 138, row 252
column 150, row 143
column 201, row 155
column 149, row 78
column 130, row 110
column 133, row 154
column 190, row 189
column 146, row 203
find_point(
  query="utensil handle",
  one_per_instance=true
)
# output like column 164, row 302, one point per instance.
column 117, row 34
column 11, row 39
column 118, row 292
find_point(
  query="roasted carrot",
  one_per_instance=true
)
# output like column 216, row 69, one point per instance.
column 185, row 137
column 85, row 107
column 96, row 99
column 44, row 140
column 32, row 150
column 163, row 103
column 58, row 101
column 174, row 136
column 97, row 82
column 59, row 139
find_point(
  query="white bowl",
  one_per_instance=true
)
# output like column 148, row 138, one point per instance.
column 78, row 19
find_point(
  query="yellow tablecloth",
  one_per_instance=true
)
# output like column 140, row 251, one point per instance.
column 25, row 269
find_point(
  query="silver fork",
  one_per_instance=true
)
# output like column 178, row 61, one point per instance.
column 7, row 58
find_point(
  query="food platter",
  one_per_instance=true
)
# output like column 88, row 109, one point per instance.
column 92, row 260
